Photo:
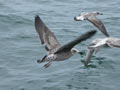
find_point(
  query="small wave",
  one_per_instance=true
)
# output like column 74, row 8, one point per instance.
column 13, row 19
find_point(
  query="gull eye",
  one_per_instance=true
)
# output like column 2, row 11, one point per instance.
column 74, row 51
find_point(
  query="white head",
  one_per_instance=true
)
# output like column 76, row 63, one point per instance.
column 74, row 51
column 79, row 18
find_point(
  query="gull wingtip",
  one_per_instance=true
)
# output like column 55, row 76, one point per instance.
column 92, row 32
column 36, row 16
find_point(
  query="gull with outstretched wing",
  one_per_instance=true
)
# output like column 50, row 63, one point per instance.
column 56, row 52
column 98, row 43
column 91, row 17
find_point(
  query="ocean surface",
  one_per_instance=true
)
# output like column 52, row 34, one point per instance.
column 20, row 46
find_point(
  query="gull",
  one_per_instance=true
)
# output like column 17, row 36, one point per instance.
column 101, row 42
column 56, row 52
column 91, row 17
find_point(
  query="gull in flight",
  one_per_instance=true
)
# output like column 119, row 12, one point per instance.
column 101, row 42
column 91, row 17
column 56, row 52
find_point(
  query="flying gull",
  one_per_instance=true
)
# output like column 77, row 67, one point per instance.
column 101, row 42
column 56, row 52
column 91, row 17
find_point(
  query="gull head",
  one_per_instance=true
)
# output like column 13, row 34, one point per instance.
column 41, row 60
column 79, row 18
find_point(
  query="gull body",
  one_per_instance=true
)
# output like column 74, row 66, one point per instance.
column 56, row 52
column 91, row 17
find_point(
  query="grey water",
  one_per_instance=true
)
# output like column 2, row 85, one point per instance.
column 20, row 46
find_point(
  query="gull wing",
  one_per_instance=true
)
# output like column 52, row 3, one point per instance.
column 97, row 23
column 88, row 56
column 46, row 36
column 113, row 42
column 70, row 45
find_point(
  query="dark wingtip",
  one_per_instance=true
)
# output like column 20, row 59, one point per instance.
column 89, row 34
column 92, row 32
column 37, row 16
